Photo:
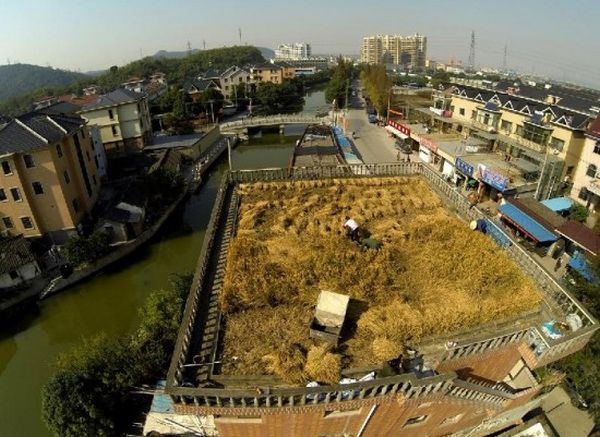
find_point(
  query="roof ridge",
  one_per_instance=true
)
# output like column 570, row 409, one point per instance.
column 23, row 125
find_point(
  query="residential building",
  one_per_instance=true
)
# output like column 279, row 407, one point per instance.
column 538, row 136
column 317, row 63
column 267, row 73
column 48, row 180
column 134, row 84
column 18, row 264
column 232, row 79
column 196, row 87
column 123, row 118
column 91, row 90
column 158, row 77
column 288, row 70
column 294, row 51
column 586, row 181
column 407, row 51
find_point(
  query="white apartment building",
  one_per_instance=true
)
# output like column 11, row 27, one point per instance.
column 293, row 52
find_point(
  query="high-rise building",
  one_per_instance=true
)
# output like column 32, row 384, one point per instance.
column 293, row 52
column 409, row 51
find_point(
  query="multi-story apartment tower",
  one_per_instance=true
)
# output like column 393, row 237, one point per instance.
column 49, row 178
column 408, row 51
column 293, row 52
column 123, row 118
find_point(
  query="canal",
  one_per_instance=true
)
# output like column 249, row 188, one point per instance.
column 110, row 301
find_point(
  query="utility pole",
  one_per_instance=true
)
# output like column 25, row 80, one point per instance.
column 203, row 44
column 472, row 52
column 229, row 152
column 212, row 111
column 347, row 88
column 240, row 33
column 189, row 48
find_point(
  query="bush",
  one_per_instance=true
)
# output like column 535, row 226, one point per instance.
column 578, row 212
column 81, row 250
column 90, row 393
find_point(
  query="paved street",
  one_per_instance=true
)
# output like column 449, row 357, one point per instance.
column 373, row 142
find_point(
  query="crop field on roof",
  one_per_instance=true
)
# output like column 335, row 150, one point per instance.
column 432, row 276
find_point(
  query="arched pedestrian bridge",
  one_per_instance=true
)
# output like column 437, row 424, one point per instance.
column 271, row 120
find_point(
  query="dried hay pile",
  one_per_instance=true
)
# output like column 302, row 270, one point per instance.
column 432, row 276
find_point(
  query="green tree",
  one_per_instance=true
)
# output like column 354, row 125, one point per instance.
column 578, row 212
column 90, row 392
column 338, row 86
column 81, row 250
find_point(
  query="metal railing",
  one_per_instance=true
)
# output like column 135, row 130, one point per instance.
column 271, row 120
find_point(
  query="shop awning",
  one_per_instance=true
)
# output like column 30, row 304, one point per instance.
column 525, row 223
column 558, row 204
column 581, row 235
column 396, row 132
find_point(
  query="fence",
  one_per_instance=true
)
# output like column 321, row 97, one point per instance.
column 271, row 120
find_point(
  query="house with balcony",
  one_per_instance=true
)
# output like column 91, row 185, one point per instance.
column 123, row 118
column 235, row 80
column 586, row 181
column 267, row 72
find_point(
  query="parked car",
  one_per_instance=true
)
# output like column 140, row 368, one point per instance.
column 372, row 118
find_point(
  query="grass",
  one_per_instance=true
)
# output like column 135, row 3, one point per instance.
column 432, row 276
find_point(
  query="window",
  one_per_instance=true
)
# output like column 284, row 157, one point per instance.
column 27, row 223
column 28, row 160
column 16, row 194
column 415, row 420
column 506, row 126
column 114, row 130
column 597, row 147
column 59, row 151
column 473, row 115
column 6, row 167
column 75, row 204
column 37, row 188
column 557, row 144
column 7, row 222
column 66, row 176
column 3, row 197
column 13, row 275
column 461, row 111
column 591, row 171
column 569, row 171
column 111, row 115
column 583, row 194
column 519, row 130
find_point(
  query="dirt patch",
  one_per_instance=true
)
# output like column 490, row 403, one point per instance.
column 432, row 276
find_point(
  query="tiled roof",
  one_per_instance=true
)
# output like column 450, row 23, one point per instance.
column 14, row 253
column 36, row 129
column 79, row 100
column 544, row 215
column 200, row 84
column 114, row 98
column 594, row 130
column 581, row 235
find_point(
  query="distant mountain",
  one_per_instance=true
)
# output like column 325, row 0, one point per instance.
column 265, row 52
column 18, row 79
column 95, row 73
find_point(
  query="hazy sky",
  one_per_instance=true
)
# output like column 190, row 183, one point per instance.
column 561, row 39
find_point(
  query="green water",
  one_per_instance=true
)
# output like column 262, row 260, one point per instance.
column 110, row 301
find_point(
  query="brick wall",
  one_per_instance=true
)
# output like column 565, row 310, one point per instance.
column 492, row 365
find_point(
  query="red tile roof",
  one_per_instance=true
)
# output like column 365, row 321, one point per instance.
column 594, row 129
column 581, row 235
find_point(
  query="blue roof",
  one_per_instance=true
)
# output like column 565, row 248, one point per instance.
column 162, row 403
column 580, row 264
column 558, row 204
column 529, row 225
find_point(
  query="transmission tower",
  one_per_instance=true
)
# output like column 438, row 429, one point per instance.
column 504, row 59
column 240, row 33
column 203, row 44
column 472, row 52
column 189, row 48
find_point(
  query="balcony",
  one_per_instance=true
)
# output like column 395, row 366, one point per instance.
column 594, row 187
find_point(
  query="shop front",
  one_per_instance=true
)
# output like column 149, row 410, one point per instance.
column 427, row 151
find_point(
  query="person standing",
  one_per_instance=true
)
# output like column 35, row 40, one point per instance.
column 351, row 228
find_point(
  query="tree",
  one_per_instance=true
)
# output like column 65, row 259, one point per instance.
column 378, row 85
column 276, row 98
column 337, row 88
column 81, row 250
column 90, row 392
column 578, row 212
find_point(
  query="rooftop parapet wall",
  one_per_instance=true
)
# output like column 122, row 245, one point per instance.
column 544, row 349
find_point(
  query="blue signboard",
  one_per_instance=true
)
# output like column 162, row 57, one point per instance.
column 495, row 180
column 463, row 167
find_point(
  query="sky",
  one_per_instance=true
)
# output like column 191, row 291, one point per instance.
column 545, row 38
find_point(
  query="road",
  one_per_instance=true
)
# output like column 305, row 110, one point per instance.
column 373, row 142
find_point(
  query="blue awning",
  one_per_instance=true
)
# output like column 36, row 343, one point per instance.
column 526, row 223
column 580, row 264
column 558, row 204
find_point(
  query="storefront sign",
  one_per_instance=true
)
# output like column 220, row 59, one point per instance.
column 429, row 144
column 463, row 167
column 400, row 127
column 497, row 181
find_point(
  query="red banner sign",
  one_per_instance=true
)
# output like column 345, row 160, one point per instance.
column 400, row 127
column 429, row 144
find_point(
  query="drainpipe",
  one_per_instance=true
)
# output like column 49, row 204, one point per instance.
column 366, row 422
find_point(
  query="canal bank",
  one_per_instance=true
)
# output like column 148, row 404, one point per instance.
column 109, row 302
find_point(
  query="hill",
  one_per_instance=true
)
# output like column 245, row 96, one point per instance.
column 19, row 79
column 265, row 52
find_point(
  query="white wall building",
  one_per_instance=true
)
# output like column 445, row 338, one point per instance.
column 586, row 182
column 293, row 52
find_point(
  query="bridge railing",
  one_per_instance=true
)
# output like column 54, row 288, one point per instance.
column 272, row 119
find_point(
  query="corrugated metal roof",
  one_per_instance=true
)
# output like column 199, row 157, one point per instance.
column 526, row 223
column 581, row 235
